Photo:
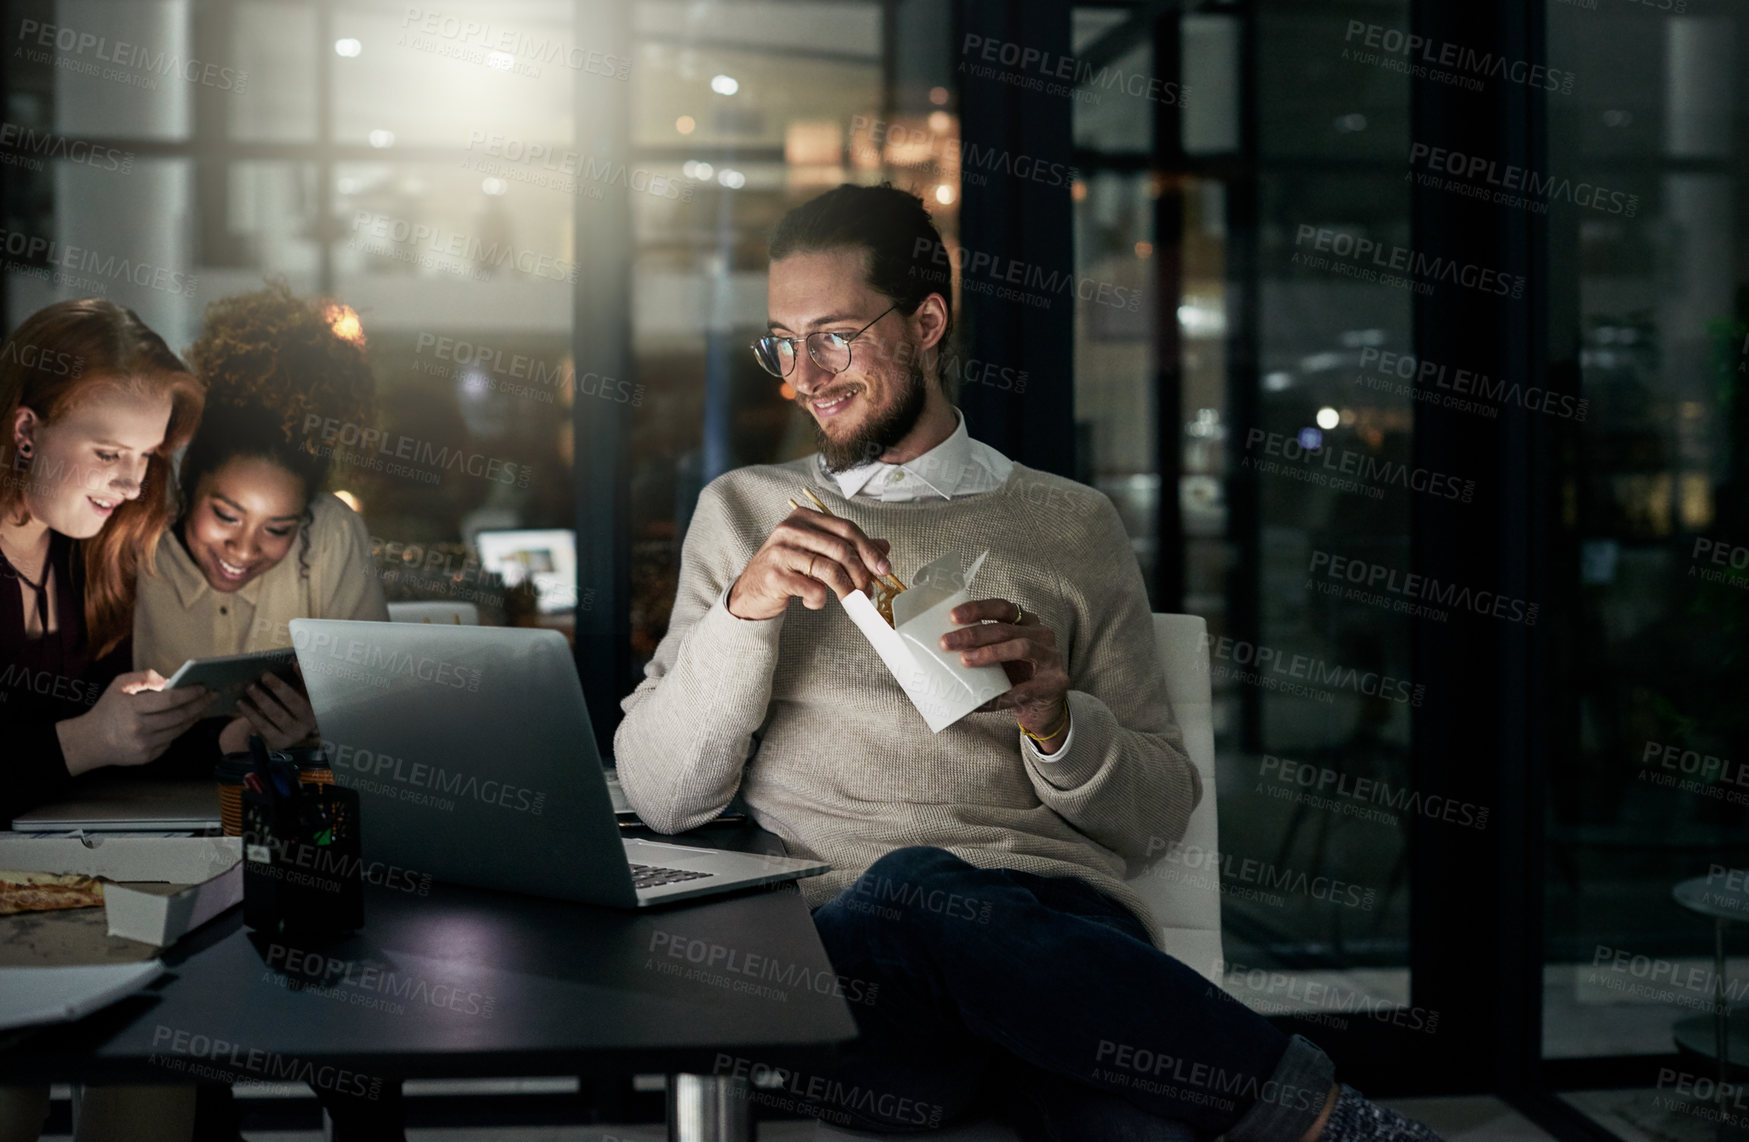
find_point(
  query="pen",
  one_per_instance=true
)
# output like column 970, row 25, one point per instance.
column 262, row 767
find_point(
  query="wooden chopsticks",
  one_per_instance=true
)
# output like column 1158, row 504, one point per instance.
column 889, row 579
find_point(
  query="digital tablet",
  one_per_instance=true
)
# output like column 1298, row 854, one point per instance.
column 228, row 676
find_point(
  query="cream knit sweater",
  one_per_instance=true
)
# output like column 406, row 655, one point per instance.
column 800, row 715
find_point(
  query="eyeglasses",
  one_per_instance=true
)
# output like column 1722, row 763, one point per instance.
column 830, row 351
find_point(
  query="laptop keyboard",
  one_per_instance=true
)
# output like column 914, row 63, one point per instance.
column 655, row 876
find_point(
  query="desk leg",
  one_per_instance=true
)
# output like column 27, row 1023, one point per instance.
column 709, row 1108
column 1721, row 1025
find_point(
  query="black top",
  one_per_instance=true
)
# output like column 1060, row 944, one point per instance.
column 47, row 680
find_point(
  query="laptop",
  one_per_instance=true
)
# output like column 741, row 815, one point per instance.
column 475, row 762
column 114, row 803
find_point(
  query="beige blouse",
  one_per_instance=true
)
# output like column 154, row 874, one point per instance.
column 178, row 616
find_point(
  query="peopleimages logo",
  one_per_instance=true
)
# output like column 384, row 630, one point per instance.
column 135, row 64
column 1702, row 1097
column 1444, row 61
column 55, row 361
column 1439, row 383
column 483, row 255
column 1330, row 783
column 1423, row 270
column 48, row 145
column 1250, row 878
column 211, row 1057
column 512, row 158
column 827, row 1098
column 1036, row 69
column 501, row 370
column 719, row 965
column 1032, row 283
column 330, row 437
column 80, row 259
column 17, row 676
column 377, row 769
column 1361, row 468
column 1424, row 588
column 1268, row 661
column 1510, row 185
column 369, row 985
column 975, row 162
column 1691, row 771
column 323, row 651
column 502, row 48
column 1721, row 555
column 1281, row 993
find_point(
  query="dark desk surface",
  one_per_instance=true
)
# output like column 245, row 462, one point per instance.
column 470, row 982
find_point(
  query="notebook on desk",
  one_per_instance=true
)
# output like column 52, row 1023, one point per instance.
column 475, row 762
column 117, row 803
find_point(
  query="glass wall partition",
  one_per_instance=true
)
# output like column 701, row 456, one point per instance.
column 1648, row 830
column 1246, row 423
column 265, row 139
column 753, row 108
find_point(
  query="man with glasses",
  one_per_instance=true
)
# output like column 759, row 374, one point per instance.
column 976, row 903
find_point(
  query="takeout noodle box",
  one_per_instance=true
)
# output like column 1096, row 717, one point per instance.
column 942, row 689
column 164, row 887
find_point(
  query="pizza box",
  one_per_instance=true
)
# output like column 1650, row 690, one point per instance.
column 35, row 995
column 164, row 887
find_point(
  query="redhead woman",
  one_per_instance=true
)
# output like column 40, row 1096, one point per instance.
column 92, row 403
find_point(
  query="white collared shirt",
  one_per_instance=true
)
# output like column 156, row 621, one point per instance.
column 958, row 466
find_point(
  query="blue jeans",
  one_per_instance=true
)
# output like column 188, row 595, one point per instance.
column 1039, row 999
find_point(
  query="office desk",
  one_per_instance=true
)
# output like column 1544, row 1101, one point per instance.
column 465, row 982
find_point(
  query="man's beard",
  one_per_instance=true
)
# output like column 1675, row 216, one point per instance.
column 881, row 433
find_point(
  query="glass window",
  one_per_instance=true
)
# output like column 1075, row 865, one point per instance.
column 275, row 44
column 127, row 71
column 754, row 107
column 457, row 263
column 1648, row 792
column 481, row 71
column 1269, row 400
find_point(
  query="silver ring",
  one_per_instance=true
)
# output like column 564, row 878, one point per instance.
column 1019, row 615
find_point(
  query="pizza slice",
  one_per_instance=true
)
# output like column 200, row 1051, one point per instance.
column 47, row 892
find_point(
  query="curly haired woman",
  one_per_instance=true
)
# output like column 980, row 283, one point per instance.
column 258, row 543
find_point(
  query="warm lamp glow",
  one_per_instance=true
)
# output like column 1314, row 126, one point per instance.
column 350, row 501
column 343, row 320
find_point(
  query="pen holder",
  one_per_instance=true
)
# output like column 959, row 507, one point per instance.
column 303, row 871
column 311, row 765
